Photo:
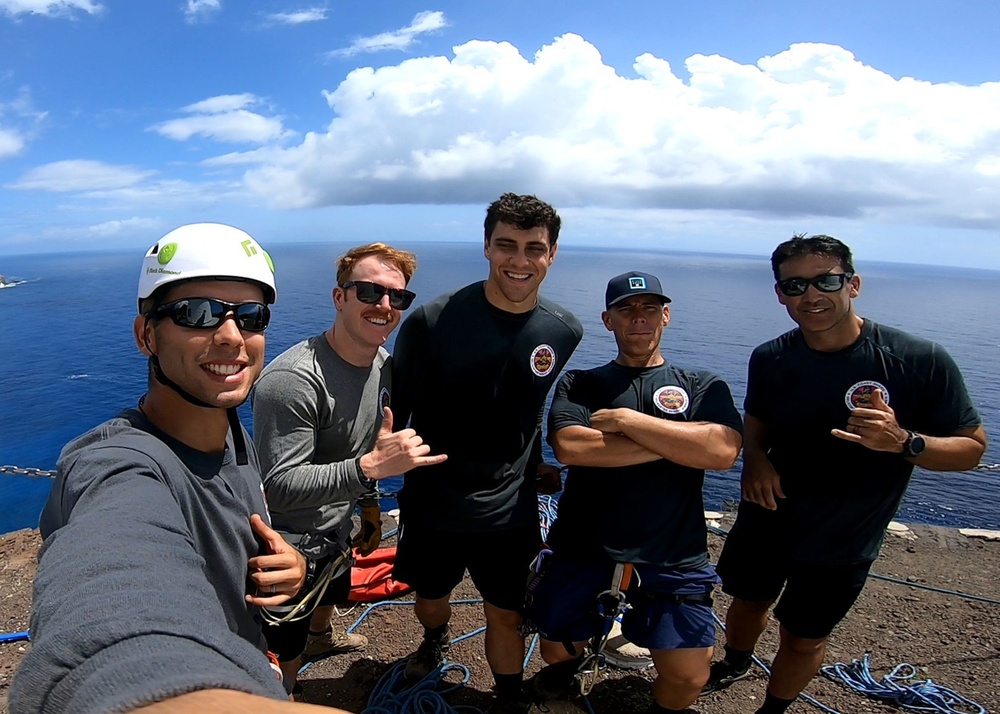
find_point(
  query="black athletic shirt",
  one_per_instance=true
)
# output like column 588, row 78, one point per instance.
column 647, row 513
column 840, row 496
column 472, row 380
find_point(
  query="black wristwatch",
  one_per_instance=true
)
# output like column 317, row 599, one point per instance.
column 914, row 445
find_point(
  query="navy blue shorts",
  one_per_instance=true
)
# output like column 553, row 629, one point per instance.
column 564, row 605
column 815, row 597
column 434, row 562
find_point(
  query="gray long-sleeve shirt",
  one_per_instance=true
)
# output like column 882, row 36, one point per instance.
column 141, row 580
column 313, row 415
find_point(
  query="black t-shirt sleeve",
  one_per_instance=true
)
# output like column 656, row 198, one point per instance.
column 566, row 409
column 407, row 366
column 950, row 407
column 715, row 404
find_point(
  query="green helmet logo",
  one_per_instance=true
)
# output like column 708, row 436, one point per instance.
column 267, row 256
column 166, row 253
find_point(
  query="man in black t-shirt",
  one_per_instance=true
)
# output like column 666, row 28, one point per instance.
column 838, row 412
column 471, row 372
column 637, row 434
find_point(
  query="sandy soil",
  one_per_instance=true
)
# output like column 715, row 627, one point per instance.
column 952, row 640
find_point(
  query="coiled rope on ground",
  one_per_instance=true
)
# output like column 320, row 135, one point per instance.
column 900, row 687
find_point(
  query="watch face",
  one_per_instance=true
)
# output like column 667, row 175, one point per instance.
column 915, row 445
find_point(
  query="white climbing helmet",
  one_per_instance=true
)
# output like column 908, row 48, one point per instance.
column 206, row 250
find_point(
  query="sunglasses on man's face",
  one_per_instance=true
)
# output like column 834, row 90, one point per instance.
column 372, row 294
column 826, row 283
column 209, row 313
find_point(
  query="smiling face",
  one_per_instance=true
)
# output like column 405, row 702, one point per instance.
column 519, row 261
column 362, row 328
column 216, row 365
column 826, row 318
column 638, row 324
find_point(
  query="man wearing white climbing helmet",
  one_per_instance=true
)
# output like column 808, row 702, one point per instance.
column 158, row 552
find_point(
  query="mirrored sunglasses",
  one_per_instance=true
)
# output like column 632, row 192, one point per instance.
column 209, row 313
column 826, row 283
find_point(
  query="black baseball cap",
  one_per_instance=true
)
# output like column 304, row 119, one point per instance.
column 634, row 283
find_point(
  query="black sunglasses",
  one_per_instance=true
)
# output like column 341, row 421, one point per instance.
column 826, row 283
column 372, row 293
column 209, row 313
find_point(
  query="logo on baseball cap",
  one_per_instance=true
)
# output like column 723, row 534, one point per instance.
column 634, row 283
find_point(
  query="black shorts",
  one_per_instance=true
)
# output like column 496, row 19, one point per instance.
column 288, row 640
column 433, row 562
column 815, row 597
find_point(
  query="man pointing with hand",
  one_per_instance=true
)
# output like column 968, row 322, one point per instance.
column 838, row 412
column 323, row 429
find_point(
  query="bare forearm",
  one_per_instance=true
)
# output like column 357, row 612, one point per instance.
column 582, row 446
column 953, row 453
column 698, row 445
column 225, row 701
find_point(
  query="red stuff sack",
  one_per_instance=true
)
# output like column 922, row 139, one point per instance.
column 371, row 577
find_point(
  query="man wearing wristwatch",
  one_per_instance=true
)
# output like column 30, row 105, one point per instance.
column 838, row 412
column 324, row 431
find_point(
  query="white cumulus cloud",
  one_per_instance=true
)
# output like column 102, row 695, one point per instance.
column 53, row 8
column 224, row 118
column 400, row 39
column 808, row 131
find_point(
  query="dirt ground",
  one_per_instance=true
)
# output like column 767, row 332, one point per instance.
column 951, row 640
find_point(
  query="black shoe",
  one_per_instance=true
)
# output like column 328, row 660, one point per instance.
column 722, row 674
column 508, row 705
column 554, row 682
column 428, row 657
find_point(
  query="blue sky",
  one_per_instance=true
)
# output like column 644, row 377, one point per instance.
column 719, row 126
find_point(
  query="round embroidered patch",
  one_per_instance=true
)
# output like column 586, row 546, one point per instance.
column 543, row 359
column 383, row 398
column 672, row 400
column 859, row 396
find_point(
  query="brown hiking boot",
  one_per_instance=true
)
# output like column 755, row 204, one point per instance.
column 428, row 657
column 334, row 643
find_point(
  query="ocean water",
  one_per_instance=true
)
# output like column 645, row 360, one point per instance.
column 67, row 360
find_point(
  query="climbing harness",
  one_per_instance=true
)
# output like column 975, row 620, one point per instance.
column 324, row 562
column 610, row 604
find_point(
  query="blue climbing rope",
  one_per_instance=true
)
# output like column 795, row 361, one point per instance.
column 394, row 695
column 548, row 509
column 900, row 687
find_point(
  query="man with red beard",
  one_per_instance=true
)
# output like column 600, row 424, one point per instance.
column 324, row 429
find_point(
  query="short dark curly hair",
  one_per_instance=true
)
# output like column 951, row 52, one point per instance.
column 522, row 212
column 802, row 244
